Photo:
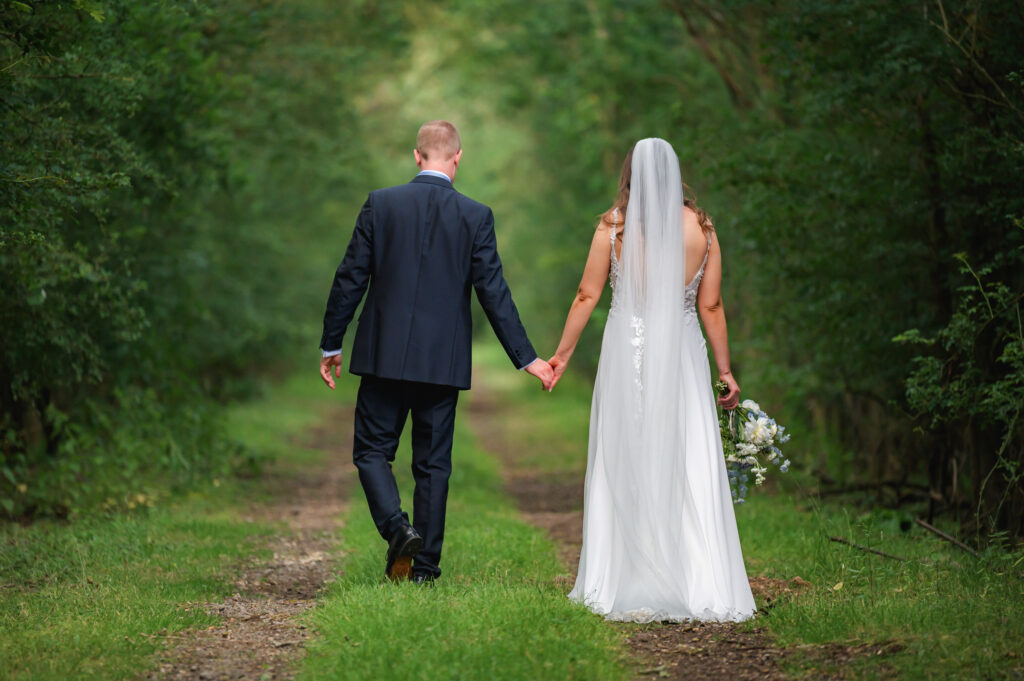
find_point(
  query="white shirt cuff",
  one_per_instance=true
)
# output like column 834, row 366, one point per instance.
column 331, row 353
column 523, row 368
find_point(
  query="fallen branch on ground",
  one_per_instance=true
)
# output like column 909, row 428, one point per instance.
column 950, row 538
column 865, row 548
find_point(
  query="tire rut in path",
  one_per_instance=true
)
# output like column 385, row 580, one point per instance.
column 694, row 651
column 260, row 637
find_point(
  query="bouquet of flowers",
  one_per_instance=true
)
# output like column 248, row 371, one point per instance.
column 750, row 440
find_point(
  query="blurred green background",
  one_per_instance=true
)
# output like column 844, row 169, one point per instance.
column 178, row 181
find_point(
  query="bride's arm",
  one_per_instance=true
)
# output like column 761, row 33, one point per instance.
column 595, row 274
column 712, row 314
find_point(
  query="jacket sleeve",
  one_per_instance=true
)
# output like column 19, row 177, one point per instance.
column 496, row 298
column 350, row 280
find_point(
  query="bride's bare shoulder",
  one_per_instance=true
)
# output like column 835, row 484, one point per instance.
column 691, row 220
column 610, row 218
column 694, row 217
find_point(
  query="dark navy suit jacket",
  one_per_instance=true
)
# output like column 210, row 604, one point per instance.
column 420, row 247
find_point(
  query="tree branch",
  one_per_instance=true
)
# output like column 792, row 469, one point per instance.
column 944, row 28
column 951, row 539
column 740, row 100
column 63, row 76
column 883, row 554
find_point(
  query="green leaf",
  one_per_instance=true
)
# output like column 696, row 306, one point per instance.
column 91, row 9
column 912, row 336
column 9, row 474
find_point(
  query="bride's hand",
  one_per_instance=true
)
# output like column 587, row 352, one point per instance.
column 731, row 399
column 558, row 365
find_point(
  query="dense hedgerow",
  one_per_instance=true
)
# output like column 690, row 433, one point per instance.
column 151, row 233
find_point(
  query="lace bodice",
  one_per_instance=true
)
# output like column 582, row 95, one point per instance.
column 689, row 293
column 616, row 268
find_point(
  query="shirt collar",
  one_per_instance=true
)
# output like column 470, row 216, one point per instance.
column 434, row 173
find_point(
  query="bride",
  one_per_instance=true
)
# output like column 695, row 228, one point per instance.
column 659, row 532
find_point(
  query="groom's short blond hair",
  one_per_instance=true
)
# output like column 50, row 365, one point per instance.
column 440, row 138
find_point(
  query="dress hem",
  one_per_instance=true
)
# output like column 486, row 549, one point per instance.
column 647, row 615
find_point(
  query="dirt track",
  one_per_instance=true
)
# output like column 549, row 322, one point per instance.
column 260, row 637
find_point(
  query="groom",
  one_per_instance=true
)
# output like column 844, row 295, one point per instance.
column 417, row 249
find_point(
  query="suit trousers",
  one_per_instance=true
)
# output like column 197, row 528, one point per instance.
column 382, row 408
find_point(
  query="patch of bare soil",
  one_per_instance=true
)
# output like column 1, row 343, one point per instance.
column 259, row 637
column 695, row 651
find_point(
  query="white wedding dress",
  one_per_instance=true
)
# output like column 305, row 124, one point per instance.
column 659, row 530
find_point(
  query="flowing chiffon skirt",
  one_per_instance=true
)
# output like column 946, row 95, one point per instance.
column 660, row 544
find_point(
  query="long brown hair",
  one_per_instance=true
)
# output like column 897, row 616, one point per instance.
column 622, row 199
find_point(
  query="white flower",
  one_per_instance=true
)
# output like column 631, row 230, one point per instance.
column 751, row 405
column 758, row 432
column 785, row 466
column 745, row 448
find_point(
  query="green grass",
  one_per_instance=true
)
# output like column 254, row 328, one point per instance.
column 498, row 612
column 958, row 617
column 75, row 598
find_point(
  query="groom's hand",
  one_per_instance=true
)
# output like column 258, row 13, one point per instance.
column 325, row 369
column 542, row 370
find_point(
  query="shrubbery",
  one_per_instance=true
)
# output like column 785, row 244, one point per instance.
column 146, row 271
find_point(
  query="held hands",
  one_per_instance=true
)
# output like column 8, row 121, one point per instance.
column 542, row 370
column 558, row 365
column 731, row 399
column 325, row 369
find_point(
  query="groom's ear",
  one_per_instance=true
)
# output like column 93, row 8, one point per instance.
column 419, row 159
column 458, row 157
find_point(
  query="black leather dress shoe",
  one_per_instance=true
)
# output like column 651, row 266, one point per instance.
column 404, row 544
column 423, row 580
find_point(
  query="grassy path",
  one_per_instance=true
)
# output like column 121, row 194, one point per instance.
column 260, row 634
column 199, row 585
column 826, row 610
column 498, row 612
column 281, row 577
